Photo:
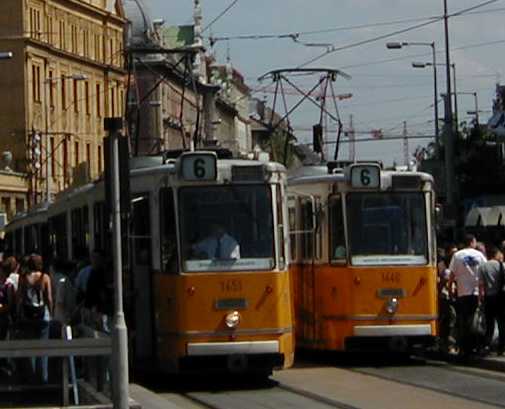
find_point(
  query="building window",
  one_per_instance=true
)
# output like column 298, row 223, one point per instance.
column 51, row 88
column 63, row 42
column 35, row 31
column 50, row 29
column 98, row 47
column 98, row 100
column 111, row 50
column 63, row 93
column 76, row 153
column 121, row 101
column 85, row 43
column 99, row 159
column 65, row 161
column 52, row 153
column 112, row 102
column 76, row 96
column 20, row 205
column 36, row 83
column 74, row 39
column 86, row 96
column 88, row 157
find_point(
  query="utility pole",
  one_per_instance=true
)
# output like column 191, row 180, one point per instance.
column 120, row 334
column 352, row 140
column 405, row 145
column 449, row 125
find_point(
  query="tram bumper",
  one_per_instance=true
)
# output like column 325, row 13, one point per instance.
column 395, row 338
column 246, row 356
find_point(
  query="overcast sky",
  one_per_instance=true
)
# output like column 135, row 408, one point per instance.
column 384, row 94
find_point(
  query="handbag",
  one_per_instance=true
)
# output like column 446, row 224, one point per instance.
column 478, row 324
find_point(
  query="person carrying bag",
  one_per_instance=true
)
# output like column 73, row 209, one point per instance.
column 35, row 305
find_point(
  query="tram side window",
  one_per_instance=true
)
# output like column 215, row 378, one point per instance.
column 337, row 239
column 59, row 235
column 281, row 227
column 78, row 234
column 101, row 230
column 168, row 232
column 292, row 228
column 307, row 236
column 140, row 230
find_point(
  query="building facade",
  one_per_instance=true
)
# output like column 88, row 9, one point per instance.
column 65, row 77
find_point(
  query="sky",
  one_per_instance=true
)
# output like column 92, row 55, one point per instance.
column 386, row 89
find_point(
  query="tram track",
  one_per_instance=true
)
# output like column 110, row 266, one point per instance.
column 446, row 379
column 278, row 396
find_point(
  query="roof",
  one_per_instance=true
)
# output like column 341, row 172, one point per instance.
column 478, row 217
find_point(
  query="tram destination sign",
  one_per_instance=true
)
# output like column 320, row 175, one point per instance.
column 365, row 176
column 198, row 166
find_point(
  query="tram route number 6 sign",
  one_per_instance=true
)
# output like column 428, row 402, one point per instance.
column 365, row 177
column 199, row 166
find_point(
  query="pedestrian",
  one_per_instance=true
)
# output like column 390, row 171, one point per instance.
column 491, row 275
column 98, row 292
column 464, row 272
column 35, row 305
column 447, row 310
column 11, row 267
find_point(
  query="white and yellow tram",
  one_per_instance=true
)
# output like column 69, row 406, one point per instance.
column 192, row 310
column 363, row 257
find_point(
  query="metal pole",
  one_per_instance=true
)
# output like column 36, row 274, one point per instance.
column 435, row 99
column 405, row 145
column 456, row 119
column 120, row 335
column 476, row 109
column 449, row 134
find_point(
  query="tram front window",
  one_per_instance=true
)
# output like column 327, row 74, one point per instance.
column 226, row 228
column 387, row 228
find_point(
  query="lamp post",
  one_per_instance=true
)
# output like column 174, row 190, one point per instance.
column 48, row 83
column 476, row 105
column 453, row 66
column 399, row 45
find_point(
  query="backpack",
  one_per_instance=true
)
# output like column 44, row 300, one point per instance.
column 34, row 307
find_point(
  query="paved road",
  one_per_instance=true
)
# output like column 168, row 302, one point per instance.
column 329, row 383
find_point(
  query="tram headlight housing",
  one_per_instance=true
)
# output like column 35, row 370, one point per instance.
column 392, row 305
column 232, row 319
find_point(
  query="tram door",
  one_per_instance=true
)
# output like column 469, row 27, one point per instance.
column 140, row 258
column 308, row 248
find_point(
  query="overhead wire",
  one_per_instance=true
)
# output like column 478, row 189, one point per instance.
column 228, row 8
column 387, row 35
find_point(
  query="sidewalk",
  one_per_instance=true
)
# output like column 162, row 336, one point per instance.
column 490, row 362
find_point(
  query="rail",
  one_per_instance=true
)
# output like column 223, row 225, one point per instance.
column 58, row 348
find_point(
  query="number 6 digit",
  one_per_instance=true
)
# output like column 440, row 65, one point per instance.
column 365, row 177
column 199, row 168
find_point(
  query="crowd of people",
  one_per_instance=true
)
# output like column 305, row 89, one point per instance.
column 471, row 286
column 38, row 299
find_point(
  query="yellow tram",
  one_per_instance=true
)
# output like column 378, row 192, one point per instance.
column 363, row 257
column 208, row 280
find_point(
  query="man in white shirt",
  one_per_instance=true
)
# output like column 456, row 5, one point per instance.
column 464, row 271
column 218, row 245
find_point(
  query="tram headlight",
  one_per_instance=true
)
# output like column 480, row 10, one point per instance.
column 232, row 319
column 392, row 305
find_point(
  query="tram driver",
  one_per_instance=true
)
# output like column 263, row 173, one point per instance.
column 217, row 245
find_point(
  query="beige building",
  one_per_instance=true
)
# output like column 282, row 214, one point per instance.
column 65, row 76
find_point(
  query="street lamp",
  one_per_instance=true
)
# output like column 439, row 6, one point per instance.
column 48, row 82
column 399, row 45
column 6, row 55
column 476, row 104
column 453, row 66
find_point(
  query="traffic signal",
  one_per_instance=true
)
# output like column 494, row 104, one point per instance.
column 317, row 138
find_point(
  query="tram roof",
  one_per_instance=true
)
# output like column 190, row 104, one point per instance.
column 319, row 174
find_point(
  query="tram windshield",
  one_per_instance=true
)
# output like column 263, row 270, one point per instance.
column 226, row 228
column 387, row 228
